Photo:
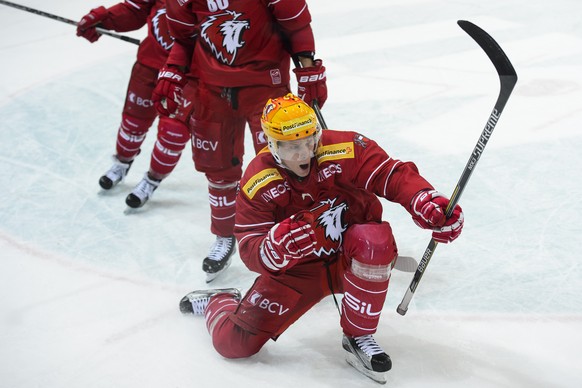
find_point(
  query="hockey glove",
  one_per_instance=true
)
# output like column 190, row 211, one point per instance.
column 311, row 83
column 167, row 94
column 428, row 212
column 87, row 24
column 287, row 242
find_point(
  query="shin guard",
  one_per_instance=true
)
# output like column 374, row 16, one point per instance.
column 222, row 196
column 371, row 251
column 172, row 138
column 130, row 136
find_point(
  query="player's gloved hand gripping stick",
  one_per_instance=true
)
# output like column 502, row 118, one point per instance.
column 68, row 21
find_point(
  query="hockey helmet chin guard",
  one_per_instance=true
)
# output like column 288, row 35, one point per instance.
column 289, row 123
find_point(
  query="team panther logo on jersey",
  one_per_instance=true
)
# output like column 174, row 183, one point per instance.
column 160, row 30
column 329, row 226
column 223, row 35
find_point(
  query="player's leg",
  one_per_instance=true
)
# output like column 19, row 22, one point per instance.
column 173, row 135
column 217, row 150
column 240, row 327
column 172, row 138
column 137, row 117
column 369, row 252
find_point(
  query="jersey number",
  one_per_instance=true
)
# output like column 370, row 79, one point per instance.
column 215, row 5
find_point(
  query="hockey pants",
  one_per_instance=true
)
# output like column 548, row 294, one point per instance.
column 361, row 273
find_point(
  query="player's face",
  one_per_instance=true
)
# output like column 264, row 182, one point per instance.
column 296, row 155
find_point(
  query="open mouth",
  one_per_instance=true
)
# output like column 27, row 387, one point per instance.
column 304, row 166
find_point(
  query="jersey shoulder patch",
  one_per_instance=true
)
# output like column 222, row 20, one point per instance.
column 336, row 151
column 260, row 180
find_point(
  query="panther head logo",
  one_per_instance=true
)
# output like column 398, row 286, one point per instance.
column 223, row 35
column 329, row 226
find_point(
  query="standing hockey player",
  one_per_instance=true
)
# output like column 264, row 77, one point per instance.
column 309, row 221
column 242, row 52
column 139, row 111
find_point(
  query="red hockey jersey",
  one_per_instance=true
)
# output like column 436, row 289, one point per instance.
column 239, row 43
column 132, row 15
column 348, row 174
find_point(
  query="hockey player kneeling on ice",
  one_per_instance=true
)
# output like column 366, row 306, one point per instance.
column 309, row 221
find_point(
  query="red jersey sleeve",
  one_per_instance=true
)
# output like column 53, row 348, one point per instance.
column 294, row 18
column 129, row 15
column 182, row 27
column 254, row 217
column 385, row 176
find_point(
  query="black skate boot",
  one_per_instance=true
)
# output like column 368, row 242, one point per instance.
column 219, row 257
column 364, row 354
column 195, row 302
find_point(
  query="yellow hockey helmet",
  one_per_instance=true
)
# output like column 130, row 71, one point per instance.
column 288, row 118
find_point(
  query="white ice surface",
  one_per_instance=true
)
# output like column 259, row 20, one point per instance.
column 88, row 293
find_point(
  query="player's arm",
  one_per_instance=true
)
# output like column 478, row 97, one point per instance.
column 401, row 182
column 122, row 17
column 269, row 248
column 377, row 172
column 182, row 27
column 252, row 224
column 265, row 245
column 294, row 20
column 167, row 95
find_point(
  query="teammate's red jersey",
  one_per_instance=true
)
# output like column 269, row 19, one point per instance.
column 132, row 15
column 348, row 174
column 239, row 43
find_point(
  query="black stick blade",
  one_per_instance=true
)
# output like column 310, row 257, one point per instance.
column 491, row 48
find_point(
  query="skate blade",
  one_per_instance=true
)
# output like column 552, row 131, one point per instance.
column 379, row 377
column 211, row 276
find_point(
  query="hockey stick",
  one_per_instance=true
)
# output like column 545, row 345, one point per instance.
column 319, row 115
column 68, row 21
column 507, row 78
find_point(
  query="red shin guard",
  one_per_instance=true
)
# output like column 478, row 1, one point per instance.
column 221, row 197
column 172, row 138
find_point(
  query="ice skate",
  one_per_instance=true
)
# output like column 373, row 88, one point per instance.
column 115, row 174
column 142, row 192
column 195, row 302
column 219, row 257
column 364, row 354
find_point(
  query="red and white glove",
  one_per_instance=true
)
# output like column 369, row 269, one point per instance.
column 429, row 207
column 87, row 24
column 311, row 83
column 167, row 94
column 287, row 242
